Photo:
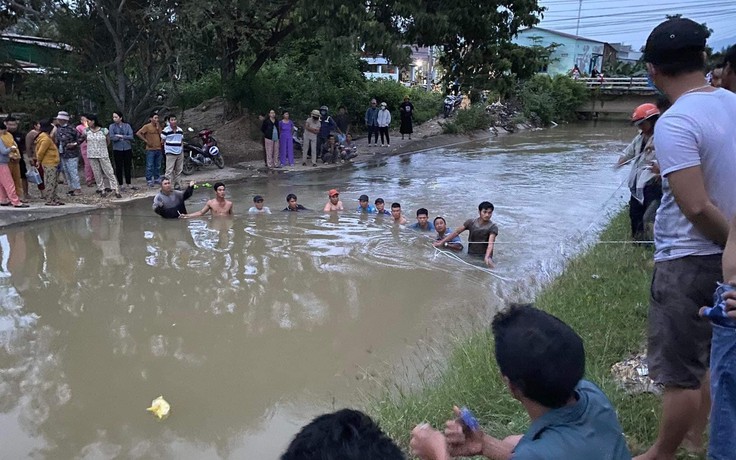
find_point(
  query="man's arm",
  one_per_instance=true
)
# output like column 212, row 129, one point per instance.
column 327, row 207
column 140, row 135
column 450, row 236
column 202, row 212
column 188, row 192
column 157, row 202
column 629, row 152
column 455, row 246
column 489, row 250
column 688, row 188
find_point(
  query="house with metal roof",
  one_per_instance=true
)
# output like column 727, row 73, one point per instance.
column 21, row 54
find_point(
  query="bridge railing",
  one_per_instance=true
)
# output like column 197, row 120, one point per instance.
column 623, row 84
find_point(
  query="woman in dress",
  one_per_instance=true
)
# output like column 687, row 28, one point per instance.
column 97, row 142
column 406, row 110
column 286, row 140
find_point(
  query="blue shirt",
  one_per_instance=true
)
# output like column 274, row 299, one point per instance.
column 586, row 430
column 449, row 232
column 121, row 143
column 369, row 210
column 173, row 140
column 430, row 227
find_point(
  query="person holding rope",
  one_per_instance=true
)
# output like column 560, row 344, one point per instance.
column 644, row 180
column 483, row 234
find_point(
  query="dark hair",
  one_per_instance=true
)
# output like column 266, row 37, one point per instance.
column 440, row 218
column 422, row 212
column 729, row 57
column 93, row 117
column 343, row 435
column 689, row 60
column 46, row 126
column 284, row 112
column 290, row 196
column 485, row 205
column 153, row 114
column 10, row 118
column 119, row 113
column 378, row 200
column 539, row 354
column 331, row 136
column 2, row 125
column 662, row 103
column 165, row 178
column 395, row 205
column 218, row 185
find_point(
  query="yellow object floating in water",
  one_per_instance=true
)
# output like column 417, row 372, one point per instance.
column 159, row 407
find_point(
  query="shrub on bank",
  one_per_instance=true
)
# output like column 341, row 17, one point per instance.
column 472, row 119
column 552, row 99
column 602, row 294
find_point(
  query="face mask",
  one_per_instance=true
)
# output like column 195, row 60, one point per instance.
column 314, row 117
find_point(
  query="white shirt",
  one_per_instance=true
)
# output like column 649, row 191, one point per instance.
column 699, row 129
column 254, row 210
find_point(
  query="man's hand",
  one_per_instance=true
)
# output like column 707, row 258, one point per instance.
column 489, row 262
column 428, row 443
column 461, row 441
column 730, row 298
column 437, row 244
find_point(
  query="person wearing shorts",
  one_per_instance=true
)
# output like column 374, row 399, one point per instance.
column 696, row 150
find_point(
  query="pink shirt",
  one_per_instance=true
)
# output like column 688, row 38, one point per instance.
column 83, row 147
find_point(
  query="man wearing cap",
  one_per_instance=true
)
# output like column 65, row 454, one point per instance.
column 258, row 207
column 173, row 139
column 68, row 139
column 311, row 130
column 381, row 207
column 334, row 204
column 327, row 126
column 364, row 207
column 696, row 150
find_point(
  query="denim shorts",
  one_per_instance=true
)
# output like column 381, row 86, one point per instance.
column 723, row 393
column 678, row 338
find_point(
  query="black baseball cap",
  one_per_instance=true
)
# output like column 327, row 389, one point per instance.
column 379, row 200
column 363, row 198
column 675, row 40
column 257, row 198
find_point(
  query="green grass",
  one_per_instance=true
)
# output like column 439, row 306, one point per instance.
column 609, row 311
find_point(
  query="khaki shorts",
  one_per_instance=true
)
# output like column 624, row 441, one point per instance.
column 678, row 339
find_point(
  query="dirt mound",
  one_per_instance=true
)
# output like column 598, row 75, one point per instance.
column 238, row 139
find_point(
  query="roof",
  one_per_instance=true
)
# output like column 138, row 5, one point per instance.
column 563, row 34
column 38, row 41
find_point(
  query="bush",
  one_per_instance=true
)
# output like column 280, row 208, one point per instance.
column 472, row 119
column 193, row 93
column 552, row 98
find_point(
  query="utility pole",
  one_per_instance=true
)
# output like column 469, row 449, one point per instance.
column 577, row 29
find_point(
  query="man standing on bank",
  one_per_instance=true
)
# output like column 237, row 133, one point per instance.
column 696, row 149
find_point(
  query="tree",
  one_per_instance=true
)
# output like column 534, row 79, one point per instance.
column 475, row 34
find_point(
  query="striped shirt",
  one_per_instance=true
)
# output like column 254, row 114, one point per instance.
column 173, row 140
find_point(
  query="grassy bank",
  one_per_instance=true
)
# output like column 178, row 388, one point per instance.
column 603, row 295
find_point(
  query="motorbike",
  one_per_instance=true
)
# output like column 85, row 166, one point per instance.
column 196, row 156
column 452, row 103
column 298, row 140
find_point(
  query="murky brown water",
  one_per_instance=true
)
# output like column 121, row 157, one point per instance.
column 250, row 326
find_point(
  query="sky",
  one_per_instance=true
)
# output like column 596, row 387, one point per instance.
column 630, row 21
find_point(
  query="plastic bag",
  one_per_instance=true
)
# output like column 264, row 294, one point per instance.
column 33, row 176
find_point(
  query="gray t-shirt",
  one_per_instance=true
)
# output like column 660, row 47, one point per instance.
column 697, row 130
column 479, row 233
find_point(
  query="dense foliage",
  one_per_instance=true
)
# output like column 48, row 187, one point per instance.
column 552, row 99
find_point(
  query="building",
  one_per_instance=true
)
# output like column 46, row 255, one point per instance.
column 624, row 53
column 22, row 54
column 571, row 50
column 380, row 68
column 421, row 71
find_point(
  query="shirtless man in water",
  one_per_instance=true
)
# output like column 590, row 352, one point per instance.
column 218, row 205
column 334, row 204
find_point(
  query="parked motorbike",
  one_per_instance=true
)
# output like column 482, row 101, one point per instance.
column 298, row 140
column 196, row 156
column 452, row 103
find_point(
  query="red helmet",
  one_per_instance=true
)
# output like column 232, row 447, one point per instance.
column 644, row 112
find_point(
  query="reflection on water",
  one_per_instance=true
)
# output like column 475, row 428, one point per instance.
column 251, row 325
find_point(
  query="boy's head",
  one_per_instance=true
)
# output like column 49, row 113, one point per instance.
column 219, row 188
column 485, row 210
column 422, row 216
column 396, row 211
column 363, row 201
column 675, row 47
column 542, row 358
column 258, row 202
column 343, row 435
column 380, row 205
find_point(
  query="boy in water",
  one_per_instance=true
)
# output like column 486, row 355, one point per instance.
column 334, row 204
column 218, row 205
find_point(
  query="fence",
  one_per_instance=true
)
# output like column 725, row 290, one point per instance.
column 619, row 84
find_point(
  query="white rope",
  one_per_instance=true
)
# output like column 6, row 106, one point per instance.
column 483, row 269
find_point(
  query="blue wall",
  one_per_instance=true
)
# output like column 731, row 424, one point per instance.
column 589, row 53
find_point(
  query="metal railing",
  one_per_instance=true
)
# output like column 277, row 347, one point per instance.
column 621, row 84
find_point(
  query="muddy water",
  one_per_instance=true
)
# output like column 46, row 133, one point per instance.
column 250, row 326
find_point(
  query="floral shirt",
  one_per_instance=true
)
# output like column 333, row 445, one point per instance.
column 97, row 143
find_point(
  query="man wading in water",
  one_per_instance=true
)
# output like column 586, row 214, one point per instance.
column 483, row 233
column 218, row 205
column 169, row 203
